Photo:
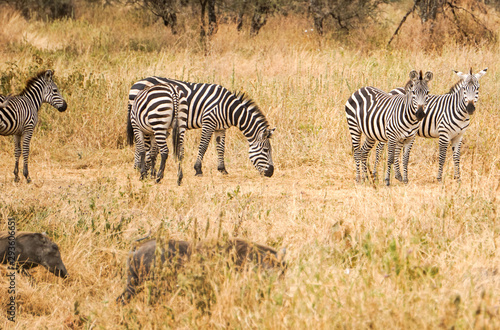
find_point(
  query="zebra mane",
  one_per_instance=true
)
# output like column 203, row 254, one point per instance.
column 32, row 81
column 250, row 104
column 455, row 87
column 407, row 85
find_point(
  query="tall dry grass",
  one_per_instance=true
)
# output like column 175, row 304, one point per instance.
column 421, row 255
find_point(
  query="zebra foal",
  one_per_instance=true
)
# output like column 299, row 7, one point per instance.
column 19, row 114
column 387, row 118
column 448, row 117
column 214, row 109
column 155, row 110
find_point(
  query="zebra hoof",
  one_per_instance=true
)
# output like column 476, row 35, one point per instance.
column 223, row 171
column 28, row 180
column 399, row 178
column 16, row 179
column 198, row 174
column 387, row 182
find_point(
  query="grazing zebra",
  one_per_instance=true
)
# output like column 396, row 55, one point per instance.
column 19, row 114
column 387, row 118
column 214, row 109
column 448, row 116
column 154, row 111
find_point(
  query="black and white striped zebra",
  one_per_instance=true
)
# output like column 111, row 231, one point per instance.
column 19, row 114
column 214, row 109
column 448, row 117
column 155, row 110
column 387, row 118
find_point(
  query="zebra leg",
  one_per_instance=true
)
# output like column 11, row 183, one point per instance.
column 456, row 144
column 163, row 160
column 26, row 152
column 406, row 158
column 149, row 161
column 397, row 169
column 153, row 154
column 355, row 140
column 220, row 139
column 161, row 141
column 180, row 157
column 397, row 153
column 206, row 135
column 142, row 164
column 363, row 155
column 443, row 148
column 17, row 154
column 391, row 153
column 141, row 152
column 378, row 153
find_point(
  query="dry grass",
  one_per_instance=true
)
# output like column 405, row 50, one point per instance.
column 422, row 255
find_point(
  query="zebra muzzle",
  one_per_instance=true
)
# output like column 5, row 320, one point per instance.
column 63, row 107
column 470, row 108
column 269, row 172
column 420, row 113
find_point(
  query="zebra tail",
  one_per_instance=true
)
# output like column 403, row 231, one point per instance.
column 130, row 130
column 175, row 129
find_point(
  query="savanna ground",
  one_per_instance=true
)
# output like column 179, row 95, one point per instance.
column 421, row 255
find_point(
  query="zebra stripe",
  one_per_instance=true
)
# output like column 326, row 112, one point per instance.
column 387, row 118
column 19, row 114
column 154, row 112
column 214, row 109
column 448, row 117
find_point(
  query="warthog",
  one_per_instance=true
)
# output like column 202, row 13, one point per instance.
column 31, row 250
column 141, row 260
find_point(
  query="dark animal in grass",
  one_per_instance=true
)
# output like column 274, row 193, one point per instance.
column 31, row 250
column 141, row 261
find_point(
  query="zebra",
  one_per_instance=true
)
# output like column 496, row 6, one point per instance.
column 154, row 111
column 214, row 109
column 388, row 118
column 19, row 114
column 448, row 116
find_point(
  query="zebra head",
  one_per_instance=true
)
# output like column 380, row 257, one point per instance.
column 51, row 93
column 418, row 91
column 470, row 88
column 260, row 152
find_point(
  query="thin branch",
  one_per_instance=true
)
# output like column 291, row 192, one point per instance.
column 453, row 6
column 402, row 21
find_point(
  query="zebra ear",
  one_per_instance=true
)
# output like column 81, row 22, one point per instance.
column 269, row 132
column 49, row 74
column 481, row 73
column 461, row 74
column 413, row 75
column 428, row 76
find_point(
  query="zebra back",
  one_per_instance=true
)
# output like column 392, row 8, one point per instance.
column 218, row 108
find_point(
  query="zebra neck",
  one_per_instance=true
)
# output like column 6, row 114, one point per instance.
column 251, row 131
column 462, row 107
column 409, row 110
column 34, row 96
column 249, row 120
